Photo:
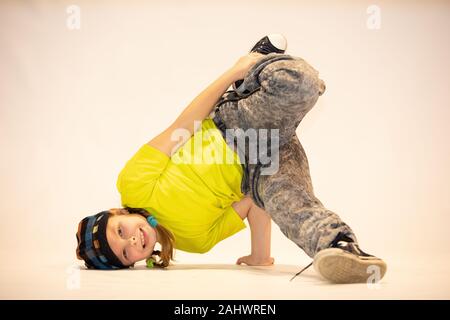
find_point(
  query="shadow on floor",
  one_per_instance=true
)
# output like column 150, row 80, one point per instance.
column 276, row 270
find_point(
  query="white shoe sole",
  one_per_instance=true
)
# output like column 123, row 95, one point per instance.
column 339, row 266
column 278, row 40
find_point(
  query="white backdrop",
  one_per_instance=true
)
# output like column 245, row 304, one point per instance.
column 75, row 104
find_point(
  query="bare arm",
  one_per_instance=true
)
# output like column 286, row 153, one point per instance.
column 260, row 227
column 184, row 125
column 170, row 139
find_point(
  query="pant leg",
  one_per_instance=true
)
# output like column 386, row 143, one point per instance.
column 288, row 90
column 285, row 88
column 289, row 198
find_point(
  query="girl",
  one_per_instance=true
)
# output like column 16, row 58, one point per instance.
column 192, row 185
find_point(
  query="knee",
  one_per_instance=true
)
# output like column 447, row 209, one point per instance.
column 281, row 81
column 294, row 79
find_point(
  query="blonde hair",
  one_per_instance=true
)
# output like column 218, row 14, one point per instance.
column 167, row 240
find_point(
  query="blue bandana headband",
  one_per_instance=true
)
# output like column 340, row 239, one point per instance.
column 152, row 221
column 93, row 246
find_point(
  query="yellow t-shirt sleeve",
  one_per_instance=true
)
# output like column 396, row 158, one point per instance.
column 226, row 226
column 137, row 179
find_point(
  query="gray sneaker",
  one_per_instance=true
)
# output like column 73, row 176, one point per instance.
column 345, row 262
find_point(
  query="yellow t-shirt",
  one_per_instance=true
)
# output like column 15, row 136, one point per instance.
column 189, row 193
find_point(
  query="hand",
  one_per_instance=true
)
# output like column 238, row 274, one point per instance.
column 253, row 261
column 244, row 64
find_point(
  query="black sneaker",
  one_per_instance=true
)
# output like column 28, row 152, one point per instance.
column 272, row 43
column 345, row 262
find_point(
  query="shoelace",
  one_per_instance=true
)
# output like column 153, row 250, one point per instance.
column 338, row 244
column 309, row 265
column 344, row 245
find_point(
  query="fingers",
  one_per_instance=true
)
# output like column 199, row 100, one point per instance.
column 241, row 260
column 256, row 54
column 250, row 262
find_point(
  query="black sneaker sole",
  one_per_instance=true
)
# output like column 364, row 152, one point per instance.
column 264, row 46
column 339, row 266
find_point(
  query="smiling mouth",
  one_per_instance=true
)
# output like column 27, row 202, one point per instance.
column 141, row 233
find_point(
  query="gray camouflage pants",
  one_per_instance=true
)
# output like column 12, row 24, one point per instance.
column 280, row 90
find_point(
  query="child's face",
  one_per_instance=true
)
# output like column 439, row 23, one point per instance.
column 130, row 237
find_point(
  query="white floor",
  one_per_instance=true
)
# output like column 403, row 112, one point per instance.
column 406, row 278
column 75, row 104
